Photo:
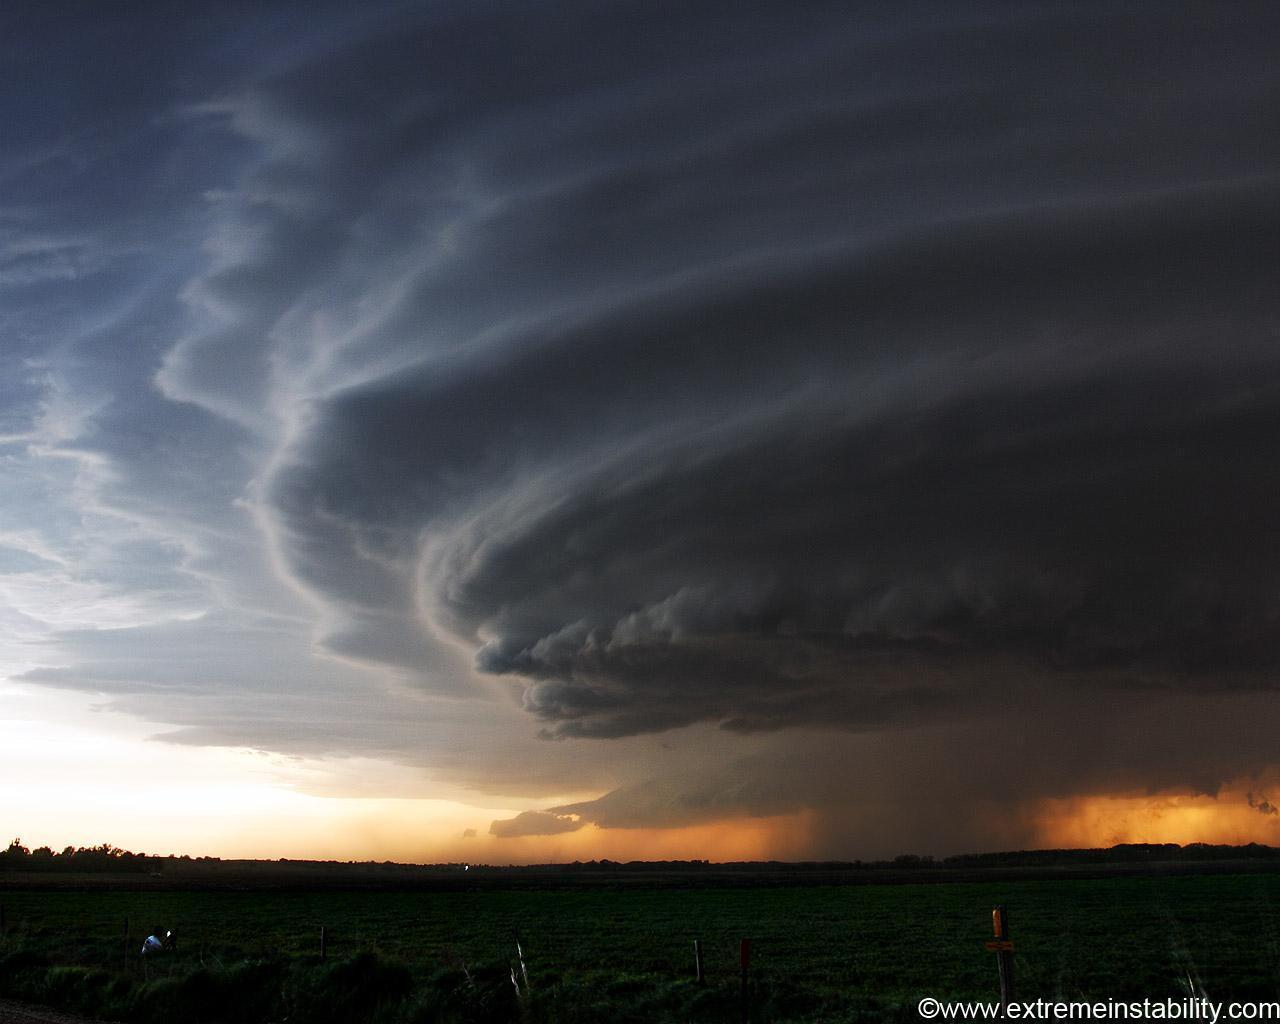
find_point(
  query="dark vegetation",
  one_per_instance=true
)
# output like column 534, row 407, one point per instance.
column 619, row 950
column 106, row 865
column 95, row 859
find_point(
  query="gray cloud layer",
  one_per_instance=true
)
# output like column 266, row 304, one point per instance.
column 729, row 404
column 880, row 368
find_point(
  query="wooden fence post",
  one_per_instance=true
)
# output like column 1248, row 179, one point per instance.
column 323, row 949
column 697, row 961
column 1003, row 946
column 745, row 956
column 126, row 943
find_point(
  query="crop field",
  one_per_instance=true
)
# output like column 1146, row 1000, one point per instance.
column 838, row 953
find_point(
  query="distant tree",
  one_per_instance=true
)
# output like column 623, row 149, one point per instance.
column 15, row 855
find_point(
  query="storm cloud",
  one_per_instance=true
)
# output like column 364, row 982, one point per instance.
column 838, row 381
column 720, row 411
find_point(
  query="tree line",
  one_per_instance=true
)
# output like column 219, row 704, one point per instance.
column 75, row 858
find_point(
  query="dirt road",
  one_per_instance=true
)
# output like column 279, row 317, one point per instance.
column 23, row 1013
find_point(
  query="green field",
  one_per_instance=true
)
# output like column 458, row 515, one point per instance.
column 835, row 953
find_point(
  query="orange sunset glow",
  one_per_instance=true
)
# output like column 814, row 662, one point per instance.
column 1099, row 821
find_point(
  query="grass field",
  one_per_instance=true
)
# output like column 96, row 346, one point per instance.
column 818, row 953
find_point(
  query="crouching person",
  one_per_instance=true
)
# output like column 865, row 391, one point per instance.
column 157, row 942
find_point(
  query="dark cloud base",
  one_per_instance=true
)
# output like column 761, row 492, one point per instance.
column 1072, row 468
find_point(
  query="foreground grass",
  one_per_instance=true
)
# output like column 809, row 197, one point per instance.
column 819, row 954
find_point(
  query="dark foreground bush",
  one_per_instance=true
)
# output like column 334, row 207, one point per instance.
column 369, row 990
column 246, row 993
column 84, row 990
column 483, row 995
column 24, row 974
column 357, row 991
column 361, row 990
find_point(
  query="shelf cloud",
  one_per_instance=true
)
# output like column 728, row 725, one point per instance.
column 809, row 380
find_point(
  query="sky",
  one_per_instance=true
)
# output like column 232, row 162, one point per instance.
column 524, row 432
